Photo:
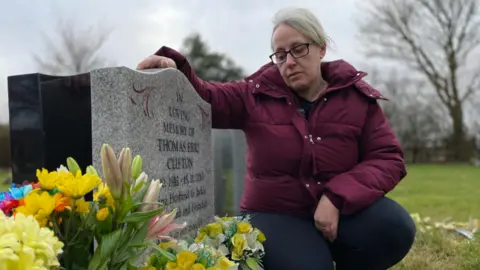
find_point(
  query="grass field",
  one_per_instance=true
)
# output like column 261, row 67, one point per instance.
column 441, row 191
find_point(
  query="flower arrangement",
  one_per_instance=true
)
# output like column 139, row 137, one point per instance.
column 52, row 223
column 173, row 255
column 225, row 244
column 124, row 217
column 236, row 238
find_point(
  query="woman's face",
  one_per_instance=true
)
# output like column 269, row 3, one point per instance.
column 302, row 70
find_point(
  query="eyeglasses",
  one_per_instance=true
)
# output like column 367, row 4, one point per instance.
column 296, row 52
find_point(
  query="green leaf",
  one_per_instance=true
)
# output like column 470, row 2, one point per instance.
column 138, row 196
column 252, row 263
column 109, row 242
column 101, row 257
column 140, row 234
column 127, row 206
column 142, row 216
column 138, row 187
column 164, row 253
column 138, row 205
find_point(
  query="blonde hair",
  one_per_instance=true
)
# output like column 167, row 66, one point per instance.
column 303, row 21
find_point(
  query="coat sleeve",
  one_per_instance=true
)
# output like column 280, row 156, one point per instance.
column 227, row 100
column 380, row 169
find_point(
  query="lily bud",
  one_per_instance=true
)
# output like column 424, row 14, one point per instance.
column 111, row 171
column 137, row 166
column 151, row 195
column 142, row 178
column 73, row 166
column 125, row 161
column 162, row 224
column 91, row 170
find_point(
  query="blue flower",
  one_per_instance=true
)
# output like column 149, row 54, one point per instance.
column 6, row 196
column 20, row 192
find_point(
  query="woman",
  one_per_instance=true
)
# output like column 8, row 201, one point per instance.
column 321, row 154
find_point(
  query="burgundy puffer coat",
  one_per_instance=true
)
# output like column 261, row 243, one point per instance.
column 346, row 150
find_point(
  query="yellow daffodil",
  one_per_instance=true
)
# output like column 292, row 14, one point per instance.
column 243, row 227
column 202, row 233
column 147, row 268
column 81, row 206
column 260, row 237
column 166, row 245
column 103, row 195
column 39, row 205
column 224, row 263
column 214, row 229
column 172, row 266
column 47, row 180
column 239, row 243
column 25, row 245
column 102, row 214
column 76, row 186
column 198, row 266
column 186, row 259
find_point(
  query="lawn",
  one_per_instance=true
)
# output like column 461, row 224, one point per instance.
column 441, row 191
column 3, row 176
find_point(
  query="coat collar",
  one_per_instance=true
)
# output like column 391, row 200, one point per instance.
column 339, row 74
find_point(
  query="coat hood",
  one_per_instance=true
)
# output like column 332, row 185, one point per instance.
column 338, row 74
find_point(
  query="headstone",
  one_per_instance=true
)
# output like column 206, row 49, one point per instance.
column 156, row 113
column 159, row 115
column 219, row 179
column 239, row 145
column 49, row 120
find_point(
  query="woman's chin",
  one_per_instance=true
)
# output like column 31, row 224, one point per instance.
column 298, row 85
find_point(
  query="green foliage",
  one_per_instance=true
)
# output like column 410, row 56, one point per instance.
column 210, row 66
column 470, row 254
column 4, row 146
column 440, row 191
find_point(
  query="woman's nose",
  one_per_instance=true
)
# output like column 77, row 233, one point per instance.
column 290, row 60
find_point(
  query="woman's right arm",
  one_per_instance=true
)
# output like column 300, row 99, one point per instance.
column 227, row 100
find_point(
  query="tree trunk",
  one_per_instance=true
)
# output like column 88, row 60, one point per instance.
column 458, row 147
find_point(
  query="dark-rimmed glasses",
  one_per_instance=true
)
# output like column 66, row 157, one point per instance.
column 296, row 52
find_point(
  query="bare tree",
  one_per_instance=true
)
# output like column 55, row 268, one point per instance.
column 436, row 38
column 415, row 116
column 74, row 50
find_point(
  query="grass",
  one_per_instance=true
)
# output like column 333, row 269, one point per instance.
column 441, row 191
column 3, row 177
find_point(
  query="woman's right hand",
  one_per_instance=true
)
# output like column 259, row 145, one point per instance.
column 155, row 61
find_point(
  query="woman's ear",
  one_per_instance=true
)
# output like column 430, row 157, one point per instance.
column 323, row 51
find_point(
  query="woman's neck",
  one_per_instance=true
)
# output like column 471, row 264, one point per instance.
column 312, row 93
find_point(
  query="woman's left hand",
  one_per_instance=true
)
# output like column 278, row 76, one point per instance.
column 326, row 218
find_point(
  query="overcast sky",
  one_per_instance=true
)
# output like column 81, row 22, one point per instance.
column 239, row 28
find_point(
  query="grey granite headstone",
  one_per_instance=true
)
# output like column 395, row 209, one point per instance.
column 158, row 114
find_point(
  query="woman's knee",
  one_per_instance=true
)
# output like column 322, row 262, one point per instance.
column 292, row 243
column 380, row 236
column 396, row 223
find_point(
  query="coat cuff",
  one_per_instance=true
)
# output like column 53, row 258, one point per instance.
column 336, row 200
column 177, row 57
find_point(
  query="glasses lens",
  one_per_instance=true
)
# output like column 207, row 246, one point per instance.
column 279, row 57
column 300, row 50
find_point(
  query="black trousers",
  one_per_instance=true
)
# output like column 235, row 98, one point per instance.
column 374, row 239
